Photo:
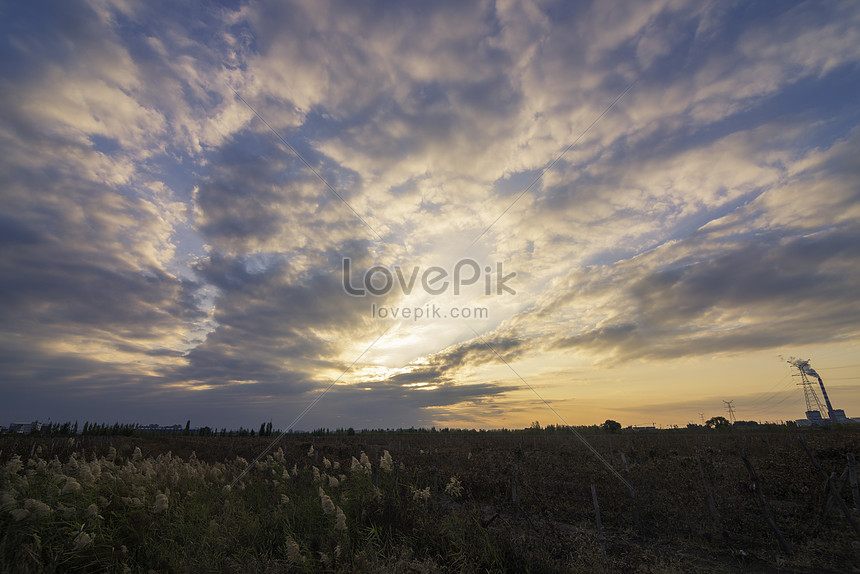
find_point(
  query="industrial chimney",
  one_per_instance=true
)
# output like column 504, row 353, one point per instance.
column 830, row 412
column 814, row 408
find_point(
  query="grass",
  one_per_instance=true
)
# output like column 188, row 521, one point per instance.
column 100, row 504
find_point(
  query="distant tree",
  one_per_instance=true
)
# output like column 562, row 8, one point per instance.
column 611, row 426
column 718, row 423
column 188, row 427
column 693, row 426
column 75, row 429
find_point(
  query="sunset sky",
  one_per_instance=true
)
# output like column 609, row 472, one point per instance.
column 675, row 185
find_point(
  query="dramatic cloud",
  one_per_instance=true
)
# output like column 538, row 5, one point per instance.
column 631, row 185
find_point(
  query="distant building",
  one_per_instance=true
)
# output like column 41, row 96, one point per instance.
column 640, row 429
column 171, row 429
column 158, row 429
column 814, row 409
column 25, row 428
column 838, row 416
column 814, row 419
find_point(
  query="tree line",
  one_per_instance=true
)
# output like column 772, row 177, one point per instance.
column 69, row 428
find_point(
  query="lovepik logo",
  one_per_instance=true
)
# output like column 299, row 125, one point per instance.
column 379, row 280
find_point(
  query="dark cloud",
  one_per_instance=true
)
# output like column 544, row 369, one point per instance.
column 746, row 298
column 269, row 326
column 390, row 405
column 250, row 191
column 163, row 253
column 442, row 368
column 14, row 233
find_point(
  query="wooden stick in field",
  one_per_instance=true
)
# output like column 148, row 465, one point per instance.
column 852, row 479
column 712, row 504
column 600, row 535
column 830, row 485
column 763, row 503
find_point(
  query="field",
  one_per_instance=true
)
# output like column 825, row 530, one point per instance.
column 428, row 502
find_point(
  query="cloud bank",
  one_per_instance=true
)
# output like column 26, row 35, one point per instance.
column 180, row 186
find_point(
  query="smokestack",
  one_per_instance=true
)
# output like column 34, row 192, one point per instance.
column 826, row 398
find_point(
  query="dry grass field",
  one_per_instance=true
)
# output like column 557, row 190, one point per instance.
column 430, row 502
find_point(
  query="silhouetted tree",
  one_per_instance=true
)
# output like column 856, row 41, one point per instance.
column 718, row 423
column 611, row 426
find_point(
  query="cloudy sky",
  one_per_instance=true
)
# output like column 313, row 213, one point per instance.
column 642, row 209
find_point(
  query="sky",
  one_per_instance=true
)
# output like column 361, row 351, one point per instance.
column 452, row 214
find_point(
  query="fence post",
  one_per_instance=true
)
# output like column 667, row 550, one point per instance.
column 852, row 479
column 828, row 500
column 831, row 487
column 636, row 523
column 712, row 503
column 600, row 535
column 757, row 485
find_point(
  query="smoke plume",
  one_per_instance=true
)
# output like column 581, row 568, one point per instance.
column 803, row 365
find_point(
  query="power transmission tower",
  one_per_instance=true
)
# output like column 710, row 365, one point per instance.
column 812, row 402
column 702, row 416
column 731, row 411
